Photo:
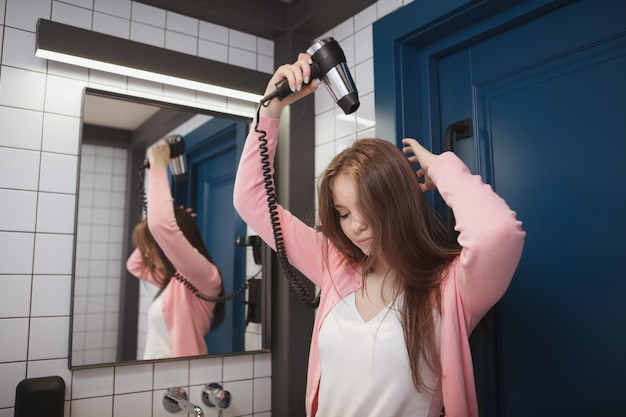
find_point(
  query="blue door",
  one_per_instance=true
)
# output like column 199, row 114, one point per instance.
column 545, row 94
column 212, row 152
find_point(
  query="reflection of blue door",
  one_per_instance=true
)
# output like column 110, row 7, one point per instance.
column 546, row 95
column 212, row 152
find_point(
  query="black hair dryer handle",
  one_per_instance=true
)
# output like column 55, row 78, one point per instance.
column 282, row 89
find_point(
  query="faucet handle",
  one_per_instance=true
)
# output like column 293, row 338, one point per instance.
column 213, row 395
column 175, row 400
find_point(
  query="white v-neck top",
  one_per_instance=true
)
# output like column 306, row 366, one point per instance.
column 365, row 367
column 157, row 338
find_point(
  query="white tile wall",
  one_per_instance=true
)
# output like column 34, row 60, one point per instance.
column 39, row 119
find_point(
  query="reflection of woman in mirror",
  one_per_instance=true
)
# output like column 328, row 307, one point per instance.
column 399, row 294
column 177, row 319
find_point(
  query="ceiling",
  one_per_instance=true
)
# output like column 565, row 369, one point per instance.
column 269, row 19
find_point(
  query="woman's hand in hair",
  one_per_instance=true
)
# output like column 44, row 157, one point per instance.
column 159, row 154
column 190, row 211
column 298, row 75
column 417, row 154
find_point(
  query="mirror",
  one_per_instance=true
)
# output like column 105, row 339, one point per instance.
column 109, row 306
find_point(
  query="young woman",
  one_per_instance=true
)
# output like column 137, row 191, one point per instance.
column 178, row 320
column 399, row 295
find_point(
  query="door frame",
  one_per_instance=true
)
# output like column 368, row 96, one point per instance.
column 407, row 45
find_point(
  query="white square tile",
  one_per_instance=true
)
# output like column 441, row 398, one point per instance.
column 18, row 50
column 238, row 367
column 171, row 374
column 16, row 252
column 93, row 407
column 265, row 47
column 58, row 173
column 13, row 345
column 92, row 383
column 53, row 254
column 61, row 134
column 38, row 369
column 262, row 394
column 364, row 76
column 241, row 58
column 23, row 14
column 119, row 8
column 111, row 25
column 20, row 128
column 51, row 295
column 262, row 365
column 48, row 338
column 348, row 49
column 265, row 64
column 181, row 43
column 2, row 7
column 17, row 213
column 137, row 405
column 151, row 35
column 343, row 30
column 213, row 50
column 19, row 169
column 365, row 17
column 241, row 40
column 64, row 95
column 324, row 127
column 147, row 14
column 15, row 298
column 385, row 7
column 323, row 155
column 133, row 378
column 10, row 375
column 22, row 88
column 364, row 45
column 71, row 15
column 205, row 371
column 182, row 24
column 213, row 32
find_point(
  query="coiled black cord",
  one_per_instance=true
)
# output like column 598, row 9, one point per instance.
column 168, row 265
column 288, row 269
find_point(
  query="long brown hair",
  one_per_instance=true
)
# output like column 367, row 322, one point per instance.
column 152, row 261
column 408, row 235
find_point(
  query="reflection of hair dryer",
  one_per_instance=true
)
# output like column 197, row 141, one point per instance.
column 177, row 165
column 329, row 65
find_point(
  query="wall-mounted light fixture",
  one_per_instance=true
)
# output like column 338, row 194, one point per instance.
column 85, row 48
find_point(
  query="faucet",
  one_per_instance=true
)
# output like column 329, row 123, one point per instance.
column 175, row 400
column 213, row 395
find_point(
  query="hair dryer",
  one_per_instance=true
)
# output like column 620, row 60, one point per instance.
column 177, row 165
column 329, row 65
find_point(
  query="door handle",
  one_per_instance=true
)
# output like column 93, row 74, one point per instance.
column 461, row 129
column 457, row 130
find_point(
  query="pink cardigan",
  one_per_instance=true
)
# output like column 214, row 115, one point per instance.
column 492, row 241
column 187, row 317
